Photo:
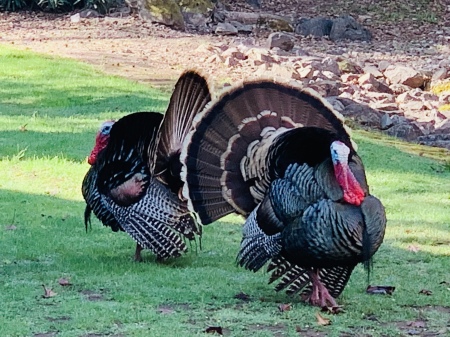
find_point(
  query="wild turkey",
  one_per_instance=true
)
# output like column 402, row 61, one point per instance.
column 134, row 181
column 282, row 157
column 111, row 137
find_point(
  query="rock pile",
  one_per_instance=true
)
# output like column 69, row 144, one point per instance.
column 385, row 95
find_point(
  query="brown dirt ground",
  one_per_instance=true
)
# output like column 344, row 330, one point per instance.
column 128, row 47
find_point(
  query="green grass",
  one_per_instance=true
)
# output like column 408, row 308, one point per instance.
column 42, row 236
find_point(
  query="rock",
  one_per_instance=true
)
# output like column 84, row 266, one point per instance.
column 225, row 28
column 329, row 75
column 406, row 131
column 384, row 106
column 346, row 28
column 377, row 85
column 259, row 56
column 235, row 53
column 439, row 140
column 306, row 72
column 444, row 98
column 439, row 75
column 75, row 18
column 404, row 75
column 374, row 71
column 196, row 19
column 336, row 103
column 386, row 122
column 241, row 28
column 230, row 62
column 363, row 114
column 349, row 67
column 350, row 78
column 329, row 64
column 342, row 28
column 399, row 88
column 166, row 12
column 196, row 6
column 280, row 40
column 317, row 27
column 254, row 3
column 284, row 72
column 326, row 88
column 383, row 65
column 214, row 59
column 89, row 13
column 280, row 25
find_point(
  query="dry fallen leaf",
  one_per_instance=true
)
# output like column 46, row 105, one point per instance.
column 64, row 282
column 426, row 292
column 322, row 320
column 284, row 307
column 48, row 292
column 333, row 310
column 214, row 329
column 23, row 128
column 380, row 290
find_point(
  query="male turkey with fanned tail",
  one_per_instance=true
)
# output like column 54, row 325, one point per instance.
column 134, row 182
column 283, row 158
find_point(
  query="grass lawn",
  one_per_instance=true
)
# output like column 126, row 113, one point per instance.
column 50, row 110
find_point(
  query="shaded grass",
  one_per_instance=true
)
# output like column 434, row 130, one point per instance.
column 43, row 238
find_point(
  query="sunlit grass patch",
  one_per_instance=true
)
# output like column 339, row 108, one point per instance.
column 44, row 140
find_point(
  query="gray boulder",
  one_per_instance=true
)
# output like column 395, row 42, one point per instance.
column 317, row 27
column 346, row 28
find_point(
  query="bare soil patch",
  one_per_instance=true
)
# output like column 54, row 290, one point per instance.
column 155, row 54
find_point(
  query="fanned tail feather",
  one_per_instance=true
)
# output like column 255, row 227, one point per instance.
column 190, row 96
column 219, row 179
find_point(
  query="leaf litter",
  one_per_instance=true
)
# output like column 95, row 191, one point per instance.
column 48, row 292
column 322, row 320
column 380, row 290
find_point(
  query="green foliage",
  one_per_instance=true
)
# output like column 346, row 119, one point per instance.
column 57, row 5
column 102, row 6
column 14, row 5
column 50, row 110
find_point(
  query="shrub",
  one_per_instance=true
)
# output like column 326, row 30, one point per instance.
column 102, row 6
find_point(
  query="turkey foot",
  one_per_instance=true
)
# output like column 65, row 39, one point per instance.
column 137, row 254
column 319, row 296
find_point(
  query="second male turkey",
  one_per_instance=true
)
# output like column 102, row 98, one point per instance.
column 134, row 182
column 283, row 158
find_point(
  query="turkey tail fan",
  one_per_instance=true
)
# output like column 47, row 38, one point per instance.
column 190, row 96
column 295, row 279
column 244, row 120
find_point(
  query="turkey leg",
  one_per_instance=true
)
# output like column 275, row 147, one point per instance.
column 319, row 293
column 137, row 254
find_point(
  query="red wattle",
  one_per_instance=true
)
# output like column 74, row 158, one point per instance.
column 100, row 143
column 353, row 193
